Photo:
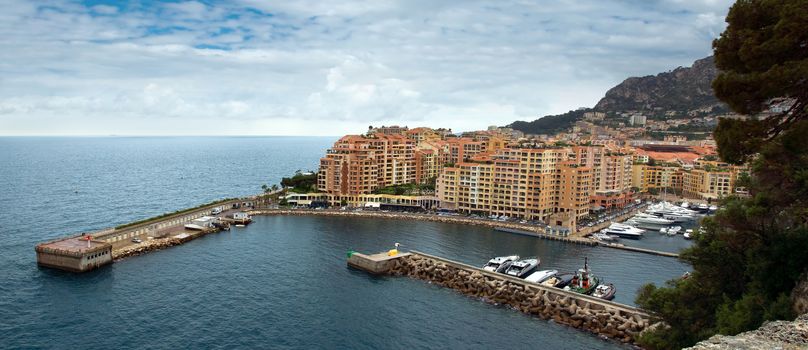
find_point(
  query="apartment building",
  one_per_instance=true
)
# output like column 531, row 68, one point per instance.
column 523, row 182
column 361, row 164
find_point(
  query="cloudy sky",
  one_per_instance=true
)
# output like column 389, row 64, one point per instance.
column 327, row 67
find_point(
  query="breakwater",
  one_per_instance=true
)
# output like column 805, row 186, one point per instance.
column 616, row 321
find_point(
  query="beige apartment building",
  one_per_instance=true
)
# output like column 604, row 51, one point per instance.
column 524, row 183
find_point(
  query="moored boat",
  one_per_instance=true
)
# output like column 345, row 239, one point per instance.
column 560, row 280
column 500, row 263
column 604, row 237
column 522, row 268
column 623, row 230
column 541, row 276
column 688, row 233
column 583, row 281
column 604, row 291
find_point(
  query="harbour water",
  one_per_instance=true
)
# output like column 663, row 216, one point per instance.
column 281, row 282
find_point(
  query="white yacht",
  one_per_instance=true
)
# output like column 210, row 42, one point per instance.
column 541, row 276
column 500, row 263
column 623, row 230
column 684, row 205
column 522, row 267
column 604, row 237
column 688, row 233
column 649, row 221
column 671, row 212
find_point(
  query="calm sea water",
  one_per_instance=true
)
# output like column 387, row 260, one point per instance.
column 279, row 283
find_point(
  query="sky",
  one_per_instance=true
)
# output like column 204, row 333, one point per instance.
column 327, row 67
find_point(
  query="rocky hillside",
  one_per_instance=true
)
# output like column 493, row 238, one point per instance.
column 682, row 89
column 772, row 335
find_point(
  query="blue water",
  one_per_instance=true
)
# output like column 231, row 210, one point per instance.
column 279, row 283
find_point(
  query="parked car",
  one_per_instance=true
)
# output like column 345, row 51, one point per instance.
column 136, row 240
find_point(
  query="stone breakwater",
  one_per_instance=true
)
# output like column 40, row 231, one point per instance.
column 608, row 319
column 156, row 244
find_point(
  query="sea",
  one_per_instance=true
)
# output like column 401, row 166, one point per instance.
column 280, row 283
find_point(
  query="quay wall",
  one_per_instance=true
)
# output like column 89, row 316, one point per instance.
column 605, row 318
column 408, row 216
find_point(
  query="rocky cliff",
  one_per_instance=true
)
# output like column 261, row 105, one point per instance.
column 682, row 89
column 772, row 335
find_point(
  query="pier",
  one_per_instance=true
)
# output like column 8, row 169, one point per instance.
column 567, row 239
column 90, row 250
column 639, row 250
column 605, row 318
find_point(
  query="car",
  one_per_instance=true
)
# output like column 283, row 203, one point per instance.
column 216, row 211
column 136, row 240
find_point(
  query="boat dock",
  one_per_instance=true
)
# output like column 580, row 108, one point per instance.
column 568, row 239
column 638, row 250
column 614, row 320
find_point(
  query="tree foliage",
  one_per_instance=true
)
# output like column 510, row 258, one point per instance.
column 550, row 124
column 301, row 182
column 753, row 251
column 749, row 257
column 762, row 55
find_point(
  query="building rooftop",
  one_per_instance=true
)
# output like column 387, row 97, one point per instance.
column 73, row 245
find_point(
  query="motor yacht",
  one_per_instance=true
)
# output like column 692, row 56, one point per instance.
column 500, row 263
column 522, row 267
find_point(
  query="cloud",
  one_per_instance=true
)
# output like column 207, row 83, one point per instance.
column 328, row 67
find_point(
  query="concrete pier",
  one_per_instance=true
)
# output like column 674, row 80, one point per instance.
column 376, row 264
column 605, row 318
column 75, row 254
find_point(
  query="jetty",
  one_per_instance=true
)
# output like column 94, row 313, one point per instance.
column 605, row 318
column 91, row 250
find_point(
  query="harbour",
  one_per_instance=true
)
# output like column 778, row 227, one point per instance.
column 239, row 268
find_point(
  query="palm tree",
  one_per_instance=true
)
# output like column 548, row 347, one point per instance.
column 274, row 187
column 265, row 188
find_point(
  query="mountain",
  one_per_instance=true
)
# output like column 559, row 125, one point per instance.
column 682, row 89
column 550, row 124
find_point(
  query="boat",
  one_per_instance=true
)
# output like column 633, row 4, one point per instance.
column 541, row 276
column 500, row 263
column 604, row 291
column 623, row 230
column 688, row 233
column 522, row 267
column 583, row 281
column 684, row 205
column 559, row 280
column 673, row 231
column 671, row 212
column 650, row 221
column 663, row 230
column 703, row 208
column 604, row 237
column 712, row 208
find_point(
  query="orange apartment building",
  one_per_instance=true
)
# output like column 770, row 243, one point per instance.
column 361, row 164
